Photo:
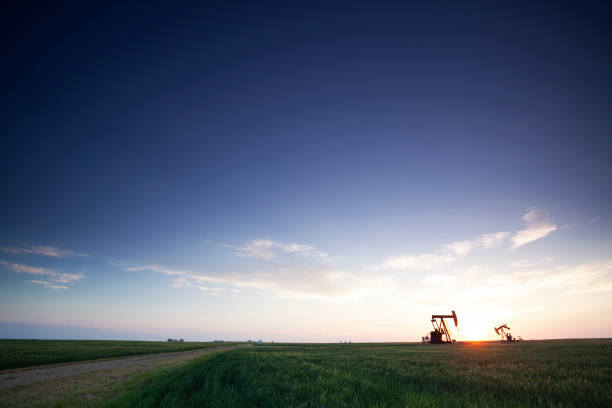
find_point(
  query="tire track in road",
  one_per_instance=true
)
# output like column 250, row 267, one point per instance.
column 12, row 378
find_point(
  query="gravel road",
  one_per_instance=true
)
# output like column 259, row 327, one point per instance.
column 12, row 378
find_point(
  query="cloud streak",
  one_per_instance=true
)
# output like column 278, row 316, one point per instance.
column 537, row 227
column 478, row 285
column 47, row 285
column 565, row 279
column 462, row 248
column 55, row 276
column 45, row 250
column 448, row 254
column 268, row 249
column 294, row 280
column 302, row 271
column 521, row 264
column 418, row 261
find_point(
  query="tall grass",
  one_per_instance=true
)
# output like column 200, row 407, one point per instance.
column 551, row 374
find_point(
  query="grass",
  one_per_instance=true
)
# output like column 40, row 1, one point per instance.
column 26, row 353
column 570, row 373
column 88, row 390
column 97, row 395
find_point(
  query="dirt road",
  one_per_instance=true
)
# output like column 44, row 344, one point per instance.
column 13, row 378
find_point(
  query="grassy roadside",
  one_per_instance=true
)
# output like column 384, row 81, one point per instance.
column 99, row 395
column 94, row 388
column 548, row 374
column 27, row 353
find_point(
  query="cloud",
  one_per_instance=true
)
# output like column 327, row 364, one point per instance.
column 268, row 249
column 521, row 264
column 56, row 276
column 285, row 280
column 420, row 261
column 45, row 250
column 565, row 279
column 48, row 285
column 492, row 240
column 457, row 249
column 188, row 280
column 477, row 285
column 537, row 227
column 156, row 268
column 181, row 283
column 569, row 280
column 462, row 248
column 594, row 220
column 215, row 291
column 26, row 269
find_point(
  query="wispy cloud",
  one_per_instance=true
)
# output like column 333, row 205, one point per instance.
column 521, row 264
column 181, row 283
column 449, row 253
column 537, row 227
column 54, row 275
column 462, row 248
column 48, row 285
column 286, row 280
column 269, row 249
column 215, row 291
column 566, row 279
column 479, row 285
column 45, row 250
column 594, row 220
column 492, row 240
column 156, row 268
column 193, row 280
column 418, row 261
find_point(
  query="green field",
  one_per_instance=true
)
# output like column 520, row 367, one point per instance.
column 570, row 373
column 26, row 353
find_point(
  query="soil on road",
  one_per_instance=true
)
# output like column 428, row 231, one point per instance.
column 12, row 378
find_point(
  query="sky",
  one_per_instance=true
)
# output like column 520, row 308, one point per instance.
column 312, row 172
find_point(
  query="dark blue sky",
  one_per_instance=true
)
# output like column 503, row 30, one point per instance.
column 140, row 132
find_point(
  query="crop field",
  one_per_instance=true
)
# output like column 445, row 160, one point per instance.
column 556, row 373
column 26, row 353
column 571, row 373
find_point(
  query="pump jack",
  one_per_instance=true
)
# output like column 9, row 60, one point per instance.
column 440, row 333
column 503, row 334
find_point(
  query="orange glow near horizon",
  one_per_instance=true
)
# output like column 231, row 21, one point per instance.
column 473, row 329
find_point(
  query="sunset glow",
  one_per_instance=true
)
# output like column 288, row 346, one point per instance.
column 289, row 175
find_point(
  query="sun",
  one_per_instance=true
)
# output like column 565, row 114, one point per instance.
column 473, row 329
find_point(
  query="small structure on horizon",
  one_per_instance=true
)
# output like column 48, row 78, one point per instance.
column 175, row 340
